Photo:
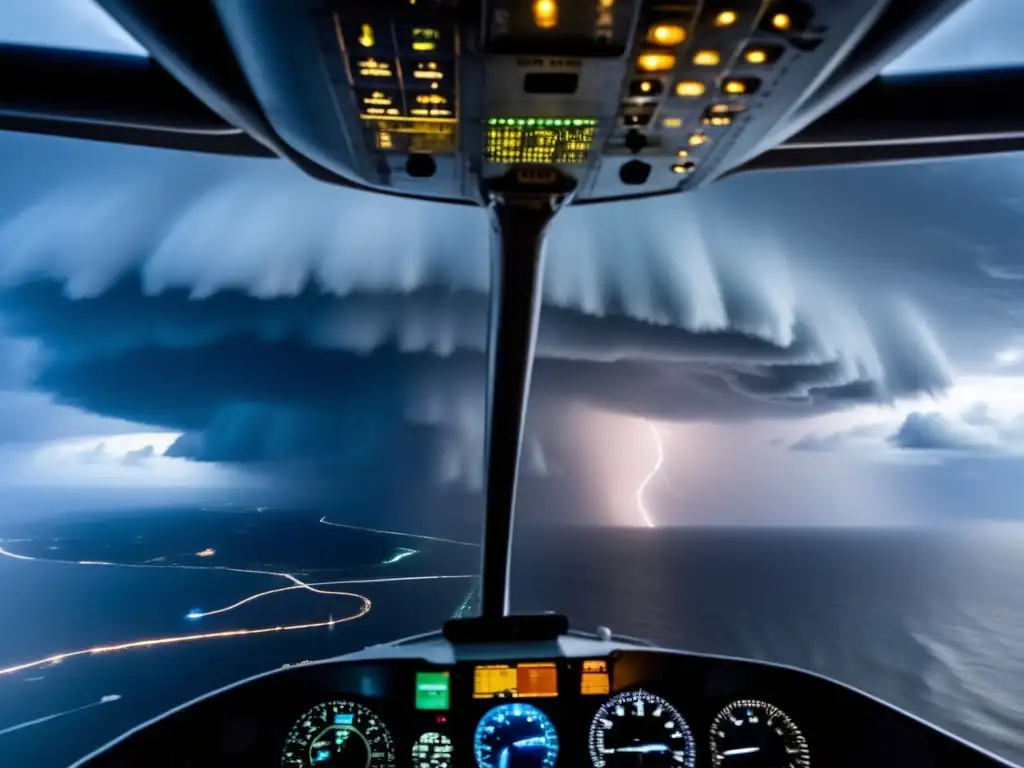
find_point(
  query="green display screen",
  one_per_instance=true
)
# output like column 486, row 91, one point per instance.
column 539, row 139
column 432, row 690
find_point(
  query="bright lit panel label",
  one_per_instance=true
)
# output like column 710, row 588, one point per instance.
column 432, row 104
column 425, row 39
column 405, row 135
column 424, row 74
column 380, row 101
column 403, row 78
column 539, row 140
column 594, row 678
column 374, row 70
column 433, row 690
column 527, row 680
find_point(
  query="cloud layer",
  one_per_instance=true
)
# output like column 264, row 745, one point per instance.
column 273, row 319
column 974, row 430
column 934, row 431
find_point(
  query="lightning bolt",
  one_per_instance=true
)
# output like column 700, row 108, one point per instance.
column 650, row 476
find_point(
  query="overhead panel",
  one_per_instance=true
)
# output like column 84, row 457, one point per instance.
column 404, row 78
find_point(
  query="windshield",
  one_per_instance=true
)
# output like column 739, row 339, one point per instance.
column 242, row 421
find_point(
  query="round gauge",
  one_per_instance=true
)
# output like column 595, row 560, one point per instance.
column 432, row 750
column 339, row 733
column 637, row 726
column 753, row 734
column 515, row 736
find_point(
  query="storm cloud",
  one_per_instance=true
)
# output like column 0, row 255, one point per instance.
column 270, row 318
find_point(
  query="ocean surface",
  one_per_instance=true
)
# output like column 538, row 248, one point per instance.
column 930, row 620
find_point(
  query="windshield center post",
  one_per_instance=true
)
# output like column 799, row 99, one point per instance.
column 522, row 204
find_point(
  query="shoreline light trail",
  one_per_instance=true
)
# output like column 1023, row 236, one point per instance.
column 364, row 608
column 109, row 698
column 650, row 476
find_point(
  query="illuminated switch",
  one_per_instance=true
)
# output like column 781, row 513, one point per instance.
column 380, row 102
column 417, row 40
column 719, row 115
column 762, row 55
column 432, row 104
column 428, row 74
column 637, row 117
column 646, row 88
column 741, row 86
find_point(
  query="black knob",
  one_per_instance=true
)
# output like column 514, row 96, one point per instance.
column 635, row 141
column 634, row 173
column 420, row 166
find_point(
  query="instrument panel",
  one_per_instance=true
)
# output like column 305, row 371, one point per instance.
column 613, row 709
column 540, row 714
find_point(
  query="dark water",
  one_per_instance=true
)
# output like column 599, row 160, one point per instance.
column 930, row 620
column 52, row 607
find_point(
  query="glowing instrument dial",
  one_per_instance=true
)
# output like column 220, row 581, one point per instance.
column 339, row 733
column 753, row 734
column 515, row 736
column 636, row 727
column 432, row 750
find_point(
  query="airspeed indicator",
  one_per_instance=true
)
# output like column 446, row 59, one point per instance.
column 637, row 726
column 755, row 734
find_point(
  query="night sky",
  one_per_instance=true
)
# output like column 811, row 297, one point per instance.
column 818, row 347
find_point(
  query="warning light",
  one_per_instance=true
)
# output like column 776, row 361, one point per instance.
column 672, row 122
column 424, row 39
column 782, row 21
column 706, row 58
column 440, row 719
column 666, row 34
column 737, row 86
column 366, row 38
column 655, row 61
column 645, row 89
column 726, row 19
column 545, row 14
column 690, row 88
column 755, row 56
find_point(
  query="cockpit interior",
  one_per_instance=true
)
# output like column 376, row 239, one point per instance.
column 523, row 107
